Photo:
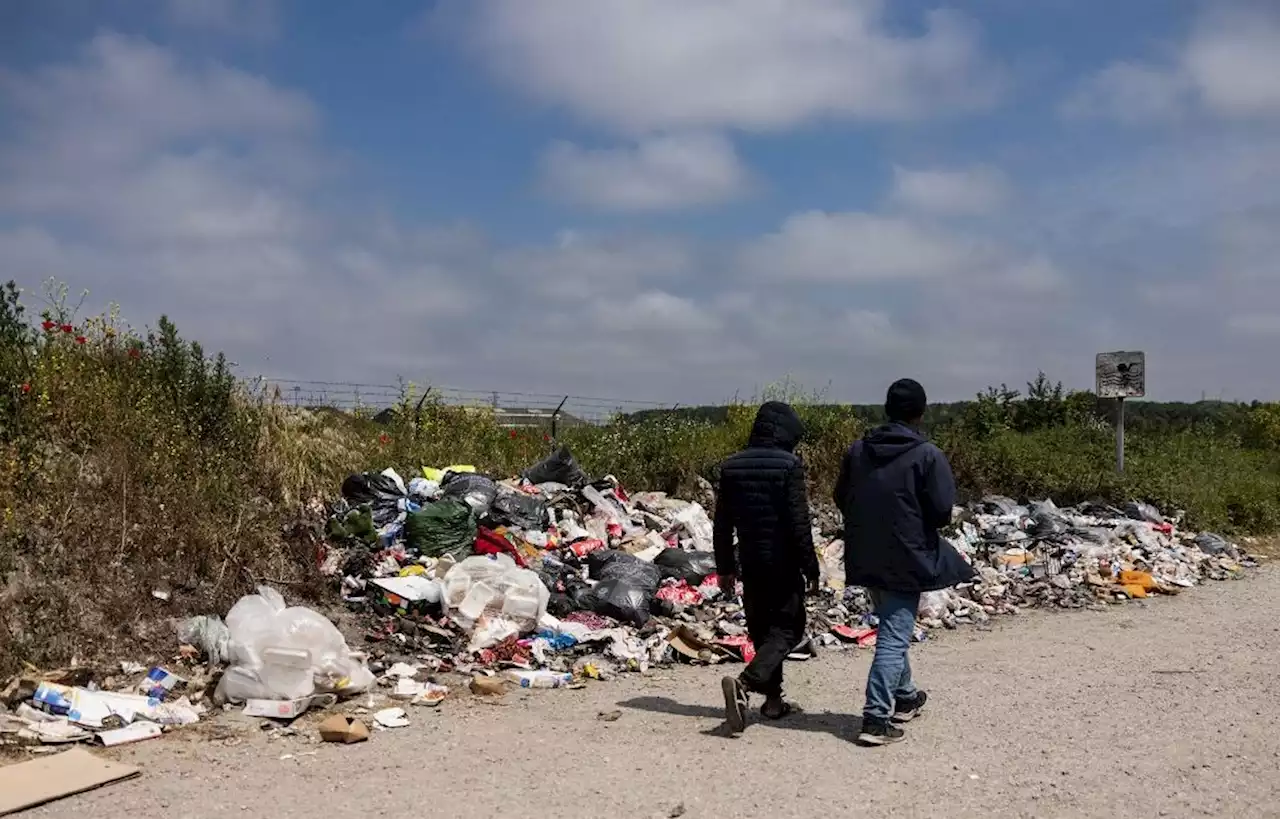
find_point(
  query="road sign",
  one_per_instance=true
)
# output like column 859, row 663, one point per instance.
column 1121, row 375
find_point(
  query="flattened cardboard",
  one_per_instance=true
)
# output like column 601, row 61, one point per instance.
column 49, row 778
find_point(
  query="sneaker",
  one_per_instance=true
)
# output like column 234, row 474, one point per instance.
column 907, row 709
column 735, row 704
column 875, row 732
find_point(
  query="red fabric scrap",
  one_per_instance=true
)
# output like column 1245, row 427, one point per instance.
column 489, row 542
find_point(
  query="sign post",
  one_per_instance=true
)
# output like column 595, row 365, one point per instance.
column 1121, row 375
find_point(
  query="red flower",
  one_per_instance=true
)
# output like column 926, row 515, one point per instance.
column 135, row 353
column 81, row 340
column 514, row 434
column 26, row 389
column 384, row 439
column 48, row 325
column 67, row 328
column 546, row 439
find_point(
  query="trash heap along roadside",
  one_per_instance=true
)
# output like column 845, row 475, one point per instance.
column 551, row 580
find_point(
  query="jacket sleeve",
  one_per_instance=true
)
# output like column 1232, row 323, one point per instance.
column 939, row 495
column 723, row 535
column 798, row 515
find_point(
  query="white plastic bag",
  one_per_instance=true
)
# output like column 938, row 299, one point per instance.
column 695, row 521
column 281, row 652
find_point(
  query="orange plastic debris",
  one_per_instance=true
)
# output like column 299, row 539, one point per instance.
column 1142, row 579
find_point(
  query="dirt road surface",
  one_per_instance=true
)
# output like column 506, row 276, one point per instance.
column 1169, row 708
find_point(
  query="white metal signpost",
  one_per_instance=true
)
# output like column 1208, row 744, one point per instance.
column 1121, row 375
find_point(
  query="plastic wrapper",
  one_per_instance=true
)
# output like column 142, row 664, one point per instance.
column 1212, row 544
column 1000, row 505
column 691, row 567
column 1047, row 520
column 558, row 467
column 476, row 491
column 210, row 635
column 446, row 527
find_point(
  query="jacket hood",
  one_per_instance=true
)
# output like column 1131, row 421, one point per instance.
column 777, row 427
column 885, row 443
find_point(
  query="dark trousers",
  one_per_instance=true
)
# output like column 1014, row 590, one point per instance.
column 775, row 622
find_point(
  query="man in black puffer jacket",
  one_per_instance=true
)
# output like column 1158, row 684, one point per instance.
column 896, row 491
column 762, row 497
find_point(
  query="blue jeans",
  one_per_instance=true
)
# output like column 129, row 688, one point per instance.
column 890, row 675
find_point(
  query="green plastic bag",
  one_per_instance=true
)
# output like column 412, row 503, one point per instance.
column 446, row 527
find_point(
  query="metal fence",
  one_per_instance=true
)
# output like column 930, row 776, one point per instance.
column 520, row 408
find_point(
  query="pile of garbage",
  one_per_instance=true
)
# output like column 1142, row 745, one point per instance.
column 551, row 579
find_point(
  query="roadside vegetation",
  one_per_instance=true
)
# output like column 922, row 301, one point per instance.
column 141, row 480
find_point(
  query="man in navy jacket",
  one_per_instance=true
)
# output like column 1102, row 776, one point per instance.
column 896, row 491
column 762, row 499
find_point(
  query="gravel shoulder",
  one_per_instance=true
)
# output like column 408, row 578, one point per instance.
column 1160, row 708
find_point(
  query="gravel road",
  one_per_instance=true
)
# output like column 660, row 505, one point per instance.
column 1167, row 708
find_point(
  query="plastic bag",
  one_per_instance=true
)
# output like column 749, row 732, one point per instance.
column 691, row 567
column 610, row 564
column 423, row 490
column 270, row 640
column 512, row 508
column 446, row 527
column 210, row 635
column 558, row 467
column 1143, row 511
column 694, row 520
column 479, row 587
column 1047, row 521
column 934, row 605
column 623, row 600
column 476, row 491
column 383, row 492
column 999, row 505
column 1212, row 544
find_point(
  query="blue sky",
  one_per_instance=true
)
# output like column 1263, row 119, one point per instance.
column 663, row 200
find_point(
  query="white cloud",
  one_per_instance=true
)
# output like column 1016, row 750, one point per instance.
column 218, row 214
column 251, row 18
column 1229, row 66
column 752, row 64
column 863, row 247
column 1234, row 61
column 658, row 173
column 970, row 191
column 1131, row 92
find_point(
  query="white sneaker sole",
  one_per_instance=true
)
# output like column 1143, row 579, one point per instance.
column 878, row 739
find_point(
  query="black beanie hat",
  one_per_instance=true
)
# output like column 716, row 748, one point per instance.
column 906, row 401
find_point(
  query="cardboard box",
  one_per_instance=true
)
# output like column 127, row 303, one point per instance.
column 343, row 729
column 277, row 709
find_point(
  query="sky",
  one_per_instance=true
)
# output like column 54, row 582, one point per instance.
column 676, row 201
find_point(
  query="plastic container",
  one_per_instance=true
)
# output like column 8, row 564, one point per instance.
column 287, row 672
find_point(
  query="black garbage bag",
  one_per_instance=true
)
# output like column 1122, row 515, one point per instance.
column 378, row 492
column 611, row 564
column 560, row 605
column 512, row 508
column 1047, row 521
column 623, row 600
column 558, row 467
column 1212, row 544
column 580, row 595
column 476, row 491
column 691, row 567
column 599, row 559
